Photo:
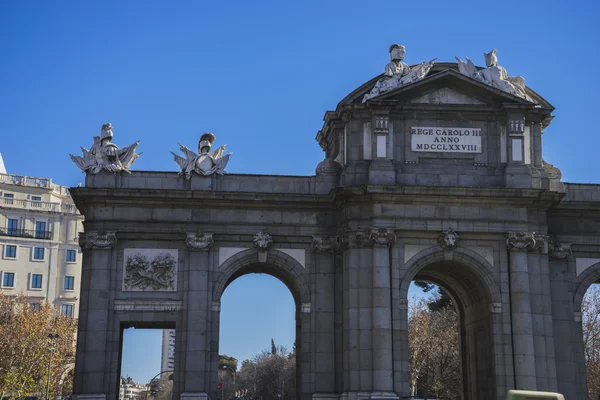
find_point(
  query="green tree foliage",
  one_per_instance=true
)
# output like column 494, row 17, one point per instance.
column 273, row 347
column 24, row 344
column 228, row 363
column 441, row 299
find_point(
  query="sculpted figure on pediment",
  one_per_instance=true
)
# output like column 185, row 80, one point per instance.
column 105, row 155
column 397, row 73
column 203, row 163
column 494, row 75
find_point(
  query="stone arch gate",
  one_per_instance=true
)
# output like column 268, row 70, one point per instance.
column 514, row 246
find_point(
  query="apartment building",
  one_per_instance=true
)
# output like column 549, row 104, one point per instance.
column 167, row 361
column 129, row 390
column 39, row 227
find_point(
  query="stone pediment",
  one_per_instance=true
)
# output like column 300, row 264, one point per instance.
column 445, row 86
column 445, row 96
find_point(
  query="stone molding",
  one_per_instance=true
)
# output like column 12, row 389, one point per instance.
column 496, row 308
column 382, row 236
column 194, row 396
column 216, row 306
column 97, row 239
column 521, row 241
column 305, row 308
column 577, row 316
column 363, row 238
column 148, row 305
column 448, row 239
column 199, row 241
column 326, row 244
column 558, row 250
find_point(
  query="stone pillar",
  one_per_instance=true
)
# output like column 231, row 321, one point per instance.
column 368, row 355
column 196, row 313
column 90, row 366
column 383, row 364
column 520, row 302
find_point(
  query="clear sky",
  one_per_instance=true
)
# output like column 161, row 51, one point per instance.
column 260, row 75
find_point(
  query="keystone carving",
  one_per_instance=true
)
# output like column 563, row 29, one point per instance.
column 382, row 236
column 262, row 240
column 97, row 239
column 448, row 239
column 199, row 241
column 520, row 241
column 326, row 244
column 558, row 250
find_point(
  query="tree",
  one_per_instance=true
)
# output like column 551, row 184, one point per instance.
column 590, row 324
column 434, row 347
column 273, row 347
column 24, row 347
column 162, row 387
column 270, row 375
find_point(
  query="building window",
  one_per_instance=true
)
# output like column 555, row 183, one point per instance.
column 38, row 253
column 71, row 255
column 36, row 198
column 9, row 195
column 10, row 251
column 34, row 306
column 67, row 309
column 8, row 279
column 12, row 227
column 40, row 230
column 36, row 281
column 69, row 282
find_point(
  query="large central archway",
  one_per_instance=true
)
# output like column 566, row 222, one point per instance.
column 467, row 278
column 285, row 268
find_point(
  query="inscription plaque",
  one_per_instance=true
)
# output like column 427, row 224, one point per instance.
column 446, row 140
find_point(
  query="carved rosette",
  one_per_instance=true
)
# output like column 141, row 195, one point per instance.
column 558, row 250
column 97, row 239
column 448, row 239
column 325, row 243
column 199, row 241
column 382, row 236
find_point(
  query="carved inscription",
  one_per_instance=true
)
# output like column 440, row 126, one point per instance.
column 441, row 140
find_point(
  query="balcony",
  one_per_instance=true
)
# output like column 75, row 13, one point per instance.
column 38, row 205
column 32, row 181
column 26, row 233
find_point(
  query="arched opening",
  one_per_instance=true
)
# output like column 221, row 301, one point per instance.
column 257, row 355
column 465, row 279
column 280, row 271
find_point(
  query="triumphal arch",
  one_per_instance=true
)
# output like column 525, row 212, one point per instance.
column 433, row 171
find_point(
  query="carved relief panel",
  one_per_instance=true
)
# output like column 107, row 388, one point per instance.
column 150, row 270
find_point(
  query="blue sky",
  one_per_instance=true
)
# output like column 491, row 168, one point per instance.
column 260, row 75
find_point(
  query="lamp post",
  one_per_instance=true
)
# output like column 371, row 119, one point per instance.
column 51, row 348
column 223, row 383
column 155, row 376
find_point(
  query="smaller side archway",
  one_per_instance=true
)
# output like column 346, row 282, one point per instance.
column 292, row 274
column 469, row 279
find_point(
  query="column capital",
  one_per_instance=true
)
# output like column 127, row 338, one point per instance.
column 558, row 250
column 521, row 241
column 382, row 236
column 326, row 243
column 97, row 239
column 357, row 239
column 199, row 241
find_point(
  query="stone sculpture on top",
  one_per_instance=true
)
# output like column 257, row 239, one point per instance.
column 397, row 73
column 494, row 75
column 203, row 163
column 105, row 155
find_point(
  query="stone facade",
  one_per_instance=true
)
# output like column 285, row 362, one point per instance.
column 39, row 243
column 514, row 246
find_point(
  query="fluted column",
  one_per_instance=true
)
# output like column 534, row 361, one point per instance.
column 522, row 327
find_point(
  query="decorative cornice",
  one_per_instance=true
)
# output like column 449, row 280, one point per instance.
column 97, row 239
column 382, row 236
column 448, row 239
column 558, row 250
column 199, row 241
column 520, row 241
column 325, row 243
column 262, row 240
column 148, row 305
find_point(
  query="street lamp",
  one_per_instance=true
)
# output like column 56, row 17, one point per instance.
column 223, row 383
column 51, row 348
